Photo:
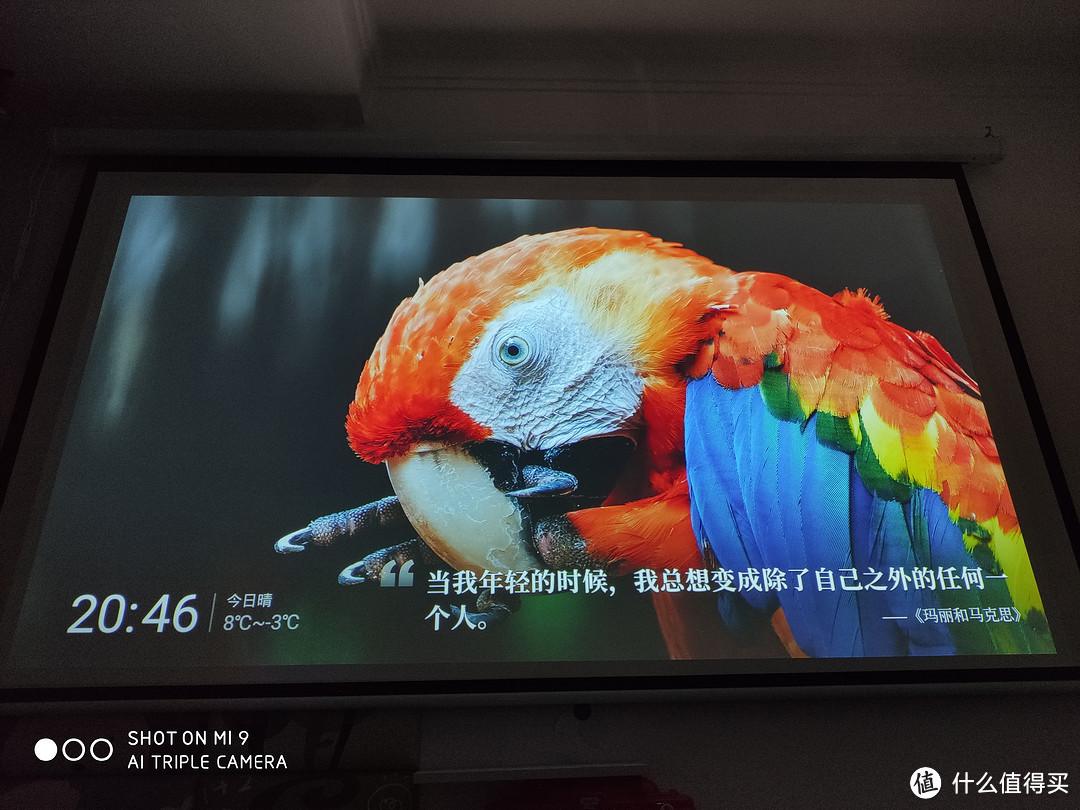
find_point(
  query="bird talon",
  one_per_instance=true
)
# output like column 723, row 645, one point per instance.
column 508, row 603
column 481, row 620
column 349, row 577
column 325, row 530
column 373, row 567
column 543, row 482
column 293, row 542
column 490, row 610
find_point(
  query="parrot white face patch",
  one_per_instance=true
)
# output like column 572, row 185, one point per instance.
column 540, row 377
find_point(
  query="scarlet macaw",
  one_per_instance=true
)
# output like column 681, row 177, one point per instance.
column 746, row 422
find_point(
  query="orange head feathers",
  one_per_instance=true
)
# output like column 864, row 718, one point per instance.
column 406, row 391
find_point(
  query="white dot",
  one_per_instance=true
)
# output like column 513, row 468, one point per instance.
column 45, row 749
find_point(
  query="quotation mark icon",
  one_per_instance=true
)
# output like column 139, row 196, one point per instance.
column 925, row 783
column 389, row 579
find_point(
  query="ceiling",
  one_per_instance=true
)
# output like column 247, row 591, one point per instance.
column 331, row 63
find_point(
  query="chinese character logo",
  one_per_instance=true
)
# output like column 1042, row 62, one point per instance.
column 925, row 783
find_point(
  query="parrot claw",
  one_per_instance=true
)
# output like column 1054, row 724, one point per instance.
column 293, row 542
column 380, row 515
column 544, row 482
column 374, row 567
column 349, row 575
column 490, row 611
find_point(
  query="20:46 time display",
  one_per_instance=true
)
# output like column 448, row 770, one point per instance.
column 112, row 612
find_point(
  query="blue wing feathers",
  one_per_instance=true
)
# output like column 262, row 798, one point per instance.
column 766, row 493
column 720, row 523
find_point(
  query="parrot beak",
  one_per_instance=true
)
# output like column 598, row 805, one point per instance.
column 453, row 503
column 480, row 506
column 467, row 502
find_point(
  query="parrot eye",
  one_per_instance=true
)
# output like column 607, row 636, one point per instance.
column 514, row 351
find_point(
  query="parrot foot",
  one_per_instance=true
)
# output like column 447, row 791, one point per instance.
column 490, row 610
column 374, row 567
column 543, row 482
column 560, row 545
column 382, row 514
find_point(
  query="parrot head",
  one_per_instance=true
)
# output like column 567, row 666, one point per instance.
column 520, row 384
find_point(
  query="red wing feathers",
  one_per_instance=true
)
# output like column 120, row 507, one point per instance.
column 845, row 358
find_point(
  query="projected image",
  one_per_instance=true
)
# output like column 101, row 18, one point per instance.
column 603, row 403
column 587, row 443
